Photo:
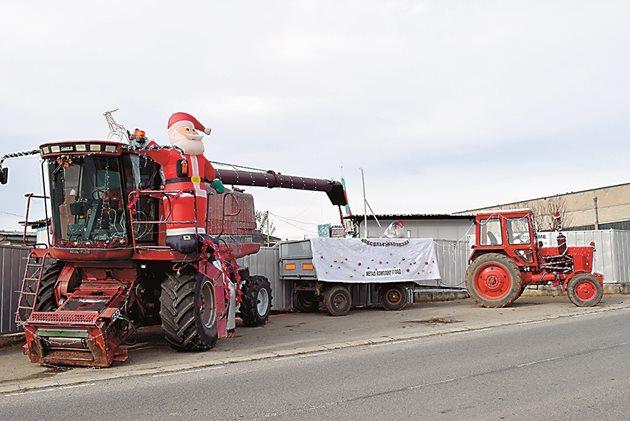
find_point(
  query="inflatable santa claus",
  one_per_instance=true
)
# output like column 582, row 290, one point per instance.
column 187, row 182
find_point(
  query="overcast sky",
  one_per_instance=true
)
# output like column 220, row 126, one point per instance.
column 447, row 105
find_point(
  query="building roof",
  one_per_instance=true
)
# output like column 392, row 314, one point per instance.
column 411, row 216
column 475, row 210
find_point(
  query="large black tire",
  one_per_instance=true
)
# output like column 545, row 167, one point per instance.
column 306, row 302
column 394, row 297
column 46, row 300
column 493, row 280
column 256, row 304
column 337, row 300
column 188, row 311
column 585, row 290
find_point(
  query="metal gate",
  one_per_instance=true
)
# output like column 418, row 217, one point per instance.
column 12, row 265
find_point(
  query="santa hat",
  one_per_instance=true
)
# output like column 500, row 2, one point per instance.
column 181, row 117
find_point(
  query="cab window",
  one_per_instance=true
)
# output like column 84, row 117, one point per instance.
column 518, row 230
column 490, row 232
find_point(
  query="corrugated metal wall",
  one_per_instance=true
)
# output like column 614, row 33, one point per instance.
column 452, row 257
column 612, row 259
column 12, row 265
column 612, row 252
column 266, row 263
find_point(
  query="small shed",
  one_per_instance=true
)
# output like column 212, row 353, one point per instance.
column 436, row 226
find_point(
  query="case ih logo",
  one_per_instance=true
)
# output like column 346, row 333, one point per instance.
column 68, row 148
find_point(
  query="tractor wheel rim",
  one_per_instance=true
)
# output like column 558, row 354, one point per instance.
column 393, row 296
column 492, row 282
column 263, row 301
column 585, row 290
column 207, row 310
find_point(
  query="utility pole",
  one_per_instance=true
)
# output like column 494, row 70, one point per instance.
column 596, row 213
column 366, row 205
column 268, row 241
column 365, row 227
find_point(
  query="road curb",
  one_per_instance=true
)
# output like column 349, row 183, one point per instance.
column 549, row 291
column 10, row 339
column 23, row 387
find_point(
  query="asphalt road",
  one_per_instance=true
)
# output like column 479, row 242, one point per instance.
column 564, row 369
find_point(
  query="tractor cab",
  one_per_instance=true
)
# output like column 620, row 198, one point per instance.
column 510, row 232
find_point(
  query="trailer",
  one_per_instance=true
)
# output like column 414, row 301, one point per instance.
column 342, row 273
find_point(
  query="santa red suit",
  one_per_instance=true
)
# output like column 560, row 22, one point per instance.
column 181, row 178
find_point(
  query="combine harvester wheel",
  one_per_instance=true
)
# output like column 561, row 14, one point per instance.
column 188, row 311
column 493, row 280
column 256, row 304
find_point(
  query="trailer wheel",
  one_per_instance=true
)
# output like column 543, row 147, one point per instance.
column 46, row 300
column 493, row 280
column 256, row 304
column 188, row 311
column 337, row 300
column 306, row 302
column 394, row 297
column 585, row 290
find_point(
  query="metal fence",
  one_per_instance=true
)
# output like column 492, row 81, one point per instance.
column 612, row 259
column 12, row 265
column 452, row 257
column 612, row 252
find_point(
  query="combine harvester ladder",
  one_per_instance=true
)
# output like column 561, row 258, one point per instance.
column 31, row 282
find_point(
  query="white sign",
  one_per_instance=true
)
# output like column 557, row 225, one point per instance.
column 377, row 260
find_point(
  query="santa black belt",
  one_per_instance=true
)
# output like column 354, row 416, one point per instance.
column 184, row 180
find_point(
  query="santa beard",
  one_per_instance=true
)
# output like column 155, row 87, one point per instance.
column 190, row 145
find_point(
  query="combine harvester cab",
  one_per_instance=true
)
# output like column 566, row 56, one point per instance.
column 106, row 270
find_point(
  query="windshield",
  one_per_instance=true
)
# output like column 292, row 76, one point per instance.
column 518, row 230
column 87, row 200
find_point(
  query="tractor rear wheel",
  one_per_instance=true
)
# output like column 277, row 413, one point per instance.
column 256, row 304
column 394, row 297
column 337, row 300
column 493, row 280
column 306, row 302
column 585, row 290
column 188, row 311
column 46, row 300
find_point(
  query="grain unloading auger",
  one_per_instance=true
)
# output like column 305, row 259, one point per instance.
column 107, row 269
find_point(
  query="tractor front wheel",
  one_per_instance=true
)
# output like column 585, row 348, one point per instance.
column 188, row 311
column 337, row 300
column 493, row 280
column 256, row 304
column 394, row 297
column 585, row 290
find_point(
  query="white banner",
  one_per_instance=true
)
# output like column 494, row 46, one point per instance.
column 374, row 260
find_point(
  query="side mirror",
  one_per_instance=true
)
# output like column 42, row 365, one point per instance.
column 4, row 175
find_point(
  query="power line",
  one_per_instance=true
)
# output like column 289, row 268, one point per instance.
column 292, row 220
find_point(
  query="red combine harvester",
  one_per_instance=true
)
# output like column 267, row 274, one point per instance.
column 108, row 271
column 506, row 258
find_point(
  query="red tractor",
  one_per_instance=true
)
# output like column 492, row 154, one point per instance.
column 108, row 271
column 506, row 258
